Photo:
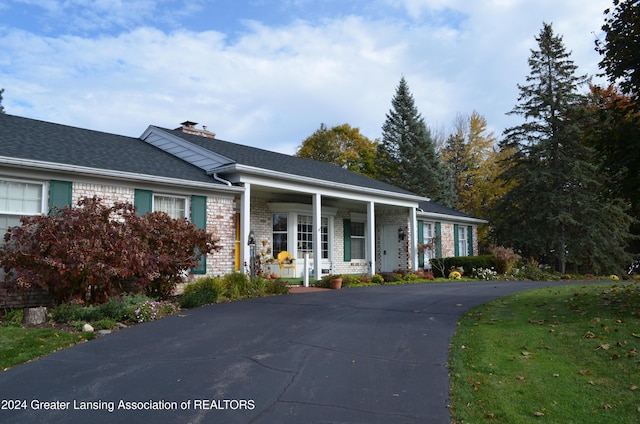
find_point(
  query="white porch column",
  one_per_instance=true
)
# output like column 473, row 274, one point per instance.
column 245, row 225
column 371, row 235
column 317, row 246
column 413, row 228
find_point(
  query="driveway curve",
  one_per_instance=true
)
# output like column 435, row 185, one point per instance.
column 364, row 355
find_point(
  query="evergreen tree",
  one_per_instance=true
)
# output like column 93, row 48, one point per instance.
column 407, row 157
column 1, row 107
column 555, row 211
column 456, row 156
column 619, row 139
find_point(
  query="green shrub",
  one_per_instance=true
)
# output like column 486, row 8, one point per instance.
column 114, row 309
column 258, row 287
column 104, row 324
column 349, row 280
column 411, row 277
column 204, row 291
column 238, row 285
column 13, row 317
column 277, row 286
column 466, row 262
column 69, row 312
column 532, row 271
column 377, row 279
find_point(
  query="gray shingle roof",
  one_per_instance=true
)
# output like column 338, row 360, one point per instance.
column 264, row 159
column 433, row 207
column 32, row 139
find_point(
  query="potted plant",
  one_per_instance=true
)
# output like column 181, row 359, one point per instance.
column 330, row 281
column 336, row 282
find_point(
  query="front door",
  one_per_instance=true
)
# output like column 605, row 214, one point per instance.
column 390, row 248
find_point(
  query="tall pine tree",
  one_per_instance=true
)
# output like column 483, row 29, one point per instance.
column 555, row 211
column 407, row 157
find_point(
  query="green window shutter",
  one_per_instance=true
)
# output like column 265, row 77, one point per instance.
column 420, row 240
column 439, row 239
column 456, row 240
column 60, row 193
column 143, row 201
column 347, row 239
column 470, row 239
column 199, row 212
column 199, row 219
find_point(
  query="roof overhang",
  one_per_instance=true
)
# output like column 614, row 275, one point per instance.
column 113, row 174
column 452, row 218
column 247, row 174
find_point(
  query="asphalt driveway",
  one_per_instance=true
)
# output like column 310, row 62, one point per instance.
column 365, row 355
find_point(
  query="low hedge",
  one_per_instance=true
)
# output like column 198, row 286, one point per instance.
column 467, row 263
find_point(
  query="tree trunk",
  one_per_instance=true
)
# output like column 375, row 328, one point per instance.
column 34, row 316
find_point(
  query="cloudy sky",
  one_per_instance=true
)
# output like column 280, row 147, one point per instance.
column 267, row 73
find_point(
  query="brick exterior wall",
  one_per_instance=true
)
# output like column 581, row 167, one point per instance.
column 110, row 194
column 447, row 240
column 260, row 221
column 221, row 221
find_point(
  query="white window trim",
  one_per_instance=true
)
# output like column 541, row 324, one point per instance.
column 44, row 198
column 463, row 243
column 362, row 219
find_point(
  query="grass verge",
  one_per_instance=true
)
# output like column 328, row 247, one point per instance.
column 563, row 355
column 19, row 345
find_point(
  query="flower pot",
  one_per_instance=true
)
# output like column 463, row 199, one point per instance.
column 336, row 283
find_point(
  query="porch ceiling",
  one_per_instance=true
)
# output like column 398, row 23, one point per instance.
column 290, row 196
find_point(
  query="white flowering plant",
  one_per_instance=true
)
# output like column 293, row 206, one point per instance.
column 485, row 273
column 151, row 310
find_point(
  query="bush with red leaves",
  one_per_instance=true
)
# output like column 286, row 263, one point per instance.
column 94, row 251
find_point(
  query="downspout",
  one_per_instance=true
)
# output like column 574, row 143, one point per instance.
column 220, row 179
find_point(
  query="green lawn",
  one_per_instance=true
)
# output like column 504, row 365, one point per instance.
column 19, row 345
column 557, row 355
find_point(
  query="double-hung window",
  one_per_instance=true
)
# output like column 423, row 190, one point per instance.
column 463, row 244
column 358, row 241
column 174, row 206
column 19, row 198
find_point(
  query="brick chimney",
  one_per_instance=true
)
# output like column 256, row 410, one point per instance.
column 189, row 127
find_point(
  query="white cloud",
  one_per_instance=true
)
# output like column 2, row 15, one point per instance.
column 272, row 86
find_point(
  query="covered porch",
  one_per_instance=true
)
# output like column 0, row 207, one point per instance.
column 339, row 232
